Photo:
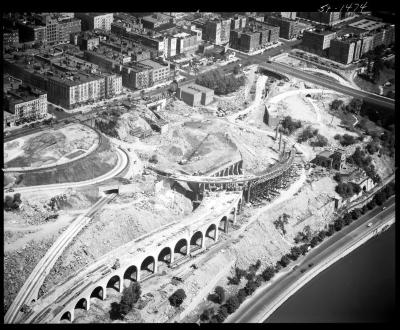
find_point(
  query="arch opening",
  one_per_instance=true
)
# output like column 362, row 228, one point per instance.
column 223, row 224
column 81, row 304
column 165, row 255
column 97, row 293
column 211, row 235
column 148, row 267
column 66, row 316
column 113, row 284
column 181, row 249
column 196, row 241
column 130, row 275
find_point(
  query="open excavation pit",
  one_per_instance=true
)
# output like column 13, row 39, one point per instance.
column 202, row 147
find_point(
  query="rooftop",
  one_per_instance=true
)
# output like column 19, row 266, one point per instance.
column 367, row 24
column 24, row 94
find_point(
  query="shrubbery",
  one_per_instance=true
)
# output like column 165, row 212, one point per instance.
column 221, row 83
column 289, row 125
column 176, row 299
column 12, row 203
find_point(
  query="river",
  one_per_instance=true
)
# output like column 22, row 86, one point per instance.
column 358, row 288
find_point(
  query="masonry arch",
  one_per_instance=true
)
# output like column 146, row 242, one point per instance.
column 114, row 283
column 165, row 255
column 223, row 224
column 98, row 293
column 211, row 235
column 147, row 267
column 181, row 249
column 130, row 275
column 82, row 304
column 196, row 242
column 66, row 316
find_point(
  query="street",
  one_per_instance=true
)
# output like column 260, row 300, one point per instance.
column 269, row 297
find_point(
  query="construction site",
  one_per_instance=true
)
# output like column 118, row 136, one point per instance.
column 197, row 196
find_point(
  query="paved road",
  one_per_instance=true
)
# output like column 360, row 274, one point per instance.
column 29, row 291
column 287, row 69
column 270, row 297
column 122, row 163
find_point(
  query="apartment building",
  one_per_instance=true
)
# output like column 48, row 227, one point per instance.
column 25, row 102
column 30, row 32
column 288, row 29
column 318, row 41
column 345, row 50
column 289, row 14
column 217, row 31
column 92, row 21
column 254, row 37
column 10, row 37
column 69, row 81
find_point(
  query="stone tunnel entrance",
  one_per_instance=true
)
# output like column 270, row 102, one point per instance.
column 196, row 241
column 130, row 275
column 147, row 268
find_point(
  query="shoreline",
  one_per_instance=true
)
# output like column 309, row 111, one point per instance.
column 312, row 273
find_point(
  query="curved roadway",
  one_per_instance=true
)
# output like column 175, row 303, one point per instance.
column 30, row 289
column 122, row 163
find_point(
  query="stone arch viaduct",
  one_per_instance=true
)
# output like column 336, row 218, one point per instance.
column 140, row 259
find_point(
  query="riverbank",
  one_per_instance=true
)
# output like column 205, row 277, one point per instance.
column 272, row 295
column 360, row 287
column 320, row 268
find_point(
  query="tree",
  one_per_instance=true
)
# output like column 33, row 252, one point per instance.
column 268, row 273
column 250, row 287
column 314, row 241
column 347, row 218
column 242, row 294
column 304, row 249
column 338, row 224
column 207, row 314
column 222, row 314
column 321, row 141
column 336, row 104
column 232, row 304
column 337, row 177
column 380, row 197
column 284, row 261
column 176, row 299
column 322, row 235
column 8, row 203
column 331, row 230
column 294, row 253
column 220, row 293
column 355, row 214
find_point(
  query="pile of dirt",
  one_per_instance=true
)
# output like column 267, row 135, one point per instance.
column 129, row 123
column 19, row 264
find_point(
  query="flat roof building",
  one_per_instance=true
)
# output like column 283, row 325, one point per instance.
column 195, row 95
column 318, row 41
